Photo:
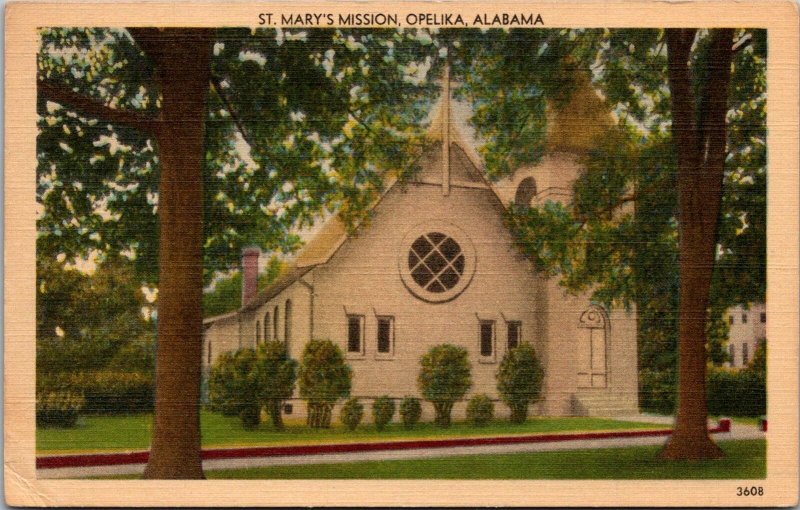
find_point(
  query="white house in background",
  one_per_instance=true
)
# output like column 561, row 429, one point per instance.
column 436, row 264
column 747, row 326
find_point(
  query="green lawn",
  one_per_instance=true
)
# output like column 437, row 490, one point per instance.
column 743, row 460
column 96, row 433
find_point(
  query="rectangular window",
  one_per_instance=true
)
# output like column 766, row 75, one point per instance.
column 487, row 338
column 745, row 354
column 763, row 316
column 732, row 353
column 385, row 334
column 744, row 318
column 355, row 333
column 730, row 320
column 514, row 334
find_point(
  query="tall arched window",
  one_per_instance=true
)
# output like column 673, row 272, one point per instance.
column 287, row 322
column 275, row 322
column 258, row 333
column 525, row 192
column 266, row 327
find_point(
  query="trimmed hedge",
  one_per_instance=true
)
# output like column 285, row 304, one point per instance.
column 728, row 392
column 480, row 410
column 58, row 408
column 352, row 412
column 410, row 411
column 382, row 411
column 736, row 393
column 106, row 392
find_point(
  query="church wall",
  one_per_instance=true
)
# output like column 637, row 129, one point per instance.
column 221, row 336
column 300, row 323
column 623, row 356
column 363, row 279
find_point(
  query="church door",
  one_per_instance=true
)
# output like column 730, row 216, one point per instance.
column 592, row 361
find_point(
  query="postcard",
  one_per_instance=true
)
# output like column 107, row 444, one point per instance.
column 415, row 254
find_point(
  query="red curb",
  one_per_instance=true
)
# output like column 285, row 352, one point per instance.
column 109, row 459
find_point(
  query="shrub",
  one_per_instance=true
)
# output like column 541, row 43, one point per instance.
column 352, row 412
column 233, row 387
column 58, row 408
column 410, row 411
column 382, row 411
column 250, row 415
column 444, row 379
column 324, row 379
column 480, row 410
column 736, row 393
column 105, row 392
column 275, row 376
column 221, row 397
column 519, row 380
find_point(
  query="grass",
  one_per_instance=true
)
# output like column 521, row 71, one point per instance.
column 120, row 433
column 744, row 459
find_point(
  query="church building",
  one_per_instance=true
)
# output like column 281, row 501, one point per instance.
column 436, row 264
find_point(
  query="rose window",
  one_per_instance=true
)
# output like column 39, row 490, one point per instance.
column 436, row 262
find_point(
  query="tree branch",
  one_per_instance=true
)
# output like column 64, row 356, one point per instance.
column 216, row 85
column 94, row 108
column 609, row 208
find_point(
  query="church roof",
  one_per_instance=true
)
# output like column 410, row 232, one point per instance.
column 570, row 129
column 288, row 277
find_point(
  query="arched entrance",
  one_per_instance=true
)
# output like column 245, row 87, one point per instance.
column 525, row 192
column 592, row 349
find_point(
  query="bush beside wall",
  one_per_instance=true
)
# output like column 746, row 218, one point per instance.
column 480, row 410
column 352, row 413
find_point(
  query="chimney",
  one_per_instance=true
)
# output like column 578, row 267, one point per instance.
column 249, row 273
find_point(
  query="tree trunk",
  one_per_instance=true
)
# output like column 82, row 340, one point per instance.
column 181, row 57
column 319, row 415
column 274, row 410
column 698, row 129
column 519, row 412
column 443, row 410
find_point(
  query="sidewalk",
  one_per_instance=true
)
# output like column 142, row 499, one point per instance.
column 233, row 458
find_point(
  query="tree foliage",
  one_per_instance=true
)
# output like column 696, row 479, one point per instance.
column 90, row 321
column 298, row 123
column 444, row 378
